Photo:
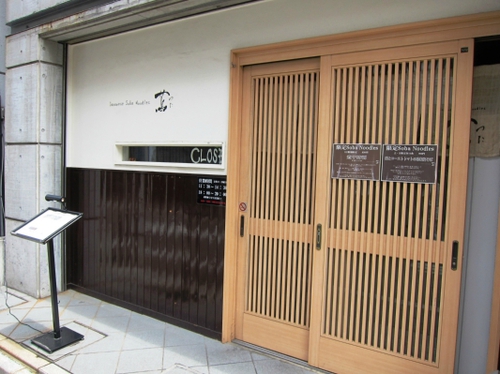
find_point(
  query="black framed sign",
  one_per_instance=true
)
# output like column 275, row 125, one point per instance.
column 410, row 163
column 212, row 191
column 356, row 161
column 46, row 225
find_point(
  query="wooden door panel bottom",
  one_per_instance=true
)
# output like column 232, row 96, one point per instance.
column 342, row 358
column 281, row 337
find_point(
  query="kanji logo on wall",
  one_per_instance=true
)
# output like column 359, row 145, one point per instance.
column 164, row 100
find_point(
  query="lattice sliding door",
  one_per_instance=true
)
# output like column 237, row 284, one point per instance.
column 350, row 273
column 282, row 162
column 384, row 258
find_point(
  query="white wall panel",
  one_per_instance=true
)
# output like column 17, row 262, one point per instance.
column 190, row 59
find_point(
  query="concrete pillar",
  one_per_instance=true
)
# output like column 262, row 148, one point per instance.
column 4, row 30
column 33, row 152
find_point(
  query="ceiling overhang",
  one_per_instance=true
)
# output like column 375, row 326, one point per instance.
column 77, row 21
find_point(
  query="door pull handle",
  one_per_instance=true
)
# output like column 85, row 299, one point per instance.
column 318, row 236
column 454, row 255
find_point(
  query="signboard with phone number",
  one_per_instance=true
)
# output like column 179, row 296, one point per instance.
column 212, row 191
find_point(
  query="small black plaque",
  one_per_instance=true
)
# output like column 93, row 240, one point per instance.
column 212, row 190
column 410, row 163
column 356, row 161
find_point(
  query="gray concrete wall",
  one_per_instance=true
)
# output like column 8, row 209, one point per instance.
column 4, row 31
column 33, row 151
column 479, row 264
column 21, row 8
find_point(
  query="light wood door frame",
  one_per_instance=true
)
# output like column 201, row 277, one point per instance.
column 458, row 28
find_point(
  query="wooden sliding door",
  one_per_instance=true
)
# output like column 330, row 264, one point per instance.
column 386, row 280
column 278, row 169
column 350, row 270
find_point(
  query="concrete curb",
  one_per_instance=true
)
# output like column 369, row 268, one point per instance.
column 15, row 359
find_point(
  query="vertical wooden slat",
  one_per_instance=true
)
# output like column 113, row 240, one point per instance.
column 340, row 76
column 407, row 104
column 366, row 310
column 254, row 199
column 406, row 217
column 265, row 191
column 421, row 262
column 347, row 234
column 374, row 204
column 295, row 160
column 279, row 284
column 427, row 199
column 380, row 217
column 273, row 93
column 433, row 297
column 311, row 104
column 386, row 206
column 282, row 157
column 258, row 198
column 341, row 268
column 412, row 221
column 301, row 130
column 289, row 91
column 393, row 208
column 361, row 242
column 278, row 201
column 357, row 196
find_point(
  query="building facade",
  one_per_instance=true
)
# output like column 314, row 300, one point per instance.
column 357, row 221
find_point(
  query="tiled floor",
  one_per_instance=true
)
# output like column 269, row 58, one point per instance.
column 120, row 341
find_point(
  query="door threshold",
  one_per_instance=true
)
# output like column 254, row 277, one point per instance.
column 279, row 356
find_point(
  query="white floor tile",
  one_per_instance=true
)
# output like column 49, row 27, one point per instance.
column 140, row 360
column 110, row 325
column 187, row 355
column 141, row 322
column 144, row 339
column 118, row 341
column 175, row 336
column 96, row 363
column 240, row 368
column 221, row 354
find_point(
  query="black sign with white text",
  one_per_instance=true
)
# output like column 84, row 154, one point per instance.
column 356, row 161
column 212, row 190
column 410, row 163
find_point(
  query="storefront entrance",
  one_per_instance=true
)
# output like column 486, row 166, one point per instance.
column 352, row 194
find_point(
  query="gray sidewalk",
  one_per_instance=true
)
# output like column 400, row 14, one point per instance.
column 118, row 341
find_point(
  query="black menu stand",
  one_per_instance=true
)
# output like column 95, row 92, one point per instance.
column 42, row 229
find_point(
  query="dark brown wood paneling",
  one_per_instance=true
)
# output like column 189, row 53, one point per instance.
column 145, row 242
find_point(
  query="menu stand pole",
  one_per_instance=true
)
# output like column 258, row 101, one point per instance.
column 60, row 337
